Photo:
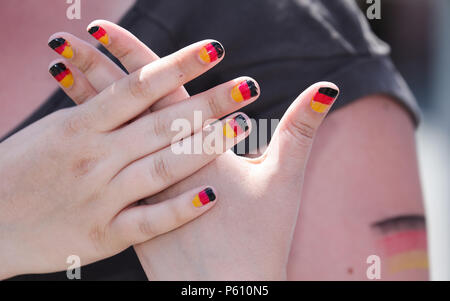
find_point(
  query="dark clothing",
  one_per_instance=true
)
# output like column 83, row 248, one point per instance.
column 286, row 45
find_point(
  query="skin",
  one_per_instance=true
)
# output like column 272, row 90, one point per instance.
column 306, row 262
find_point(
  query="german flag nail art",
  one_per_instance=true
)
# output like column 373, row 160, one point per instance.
column 62, row 47
column 100, row 34
column 235, row 126
column 204, row 197
column 63, row 75
column 244, row 90
column 323, row 99
column 211, row 52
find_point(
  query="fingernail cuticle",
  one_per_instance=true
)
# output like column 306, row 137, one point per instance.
column 211, row 52
column 100, row 34
column 204, row 197
column 62, row 47
column 323, row 99
column 244, row 90
column 62, row 74
column 235, row 127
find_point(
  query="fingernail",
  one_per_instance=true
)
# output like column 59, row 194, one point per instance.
column 62, row 74
column 204, row 197
column 100, row 34
column 323, row 99
column 244, row 90
column 211, row 52
column 235, row 126
column 62, row 47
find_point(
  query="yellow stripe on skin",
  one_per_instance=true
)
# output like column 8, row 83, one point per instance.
column 67, row 52
column 319, row 107
column 67, row 81
column 104, row 40
column 228, row 131
column 236, row 94
column 196, row 201
column 413, row 260
column 204, row 56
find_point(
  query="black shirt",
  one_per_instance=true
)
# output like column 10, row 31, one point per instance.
column 286, row 45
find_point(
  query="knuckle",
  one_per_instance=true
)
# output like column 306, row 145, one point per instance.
column 214, row 105
column 139, row 87
column 83, row 166
column 75, row 123
column 181, row 68
column 176, row 217
column 98, row 236
column 87, row 63
column 147, row 228
column 121, row 53
column 301, row 131
column 161, row 128
column 160, row 170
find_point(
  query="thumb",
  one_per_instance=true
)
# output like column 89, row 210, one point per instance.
column 292, row 140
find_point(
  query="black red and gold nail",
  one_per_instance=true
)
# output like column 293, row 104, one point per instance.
column 62, row 74
column 204, row 197
column 211, row 52
column 244, row 90
column 323, row 99
column 235, row 127
column 100, row 34
column 62, row 47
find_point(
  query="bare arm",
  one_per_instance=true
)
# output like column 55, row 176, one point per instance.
column 365, row 154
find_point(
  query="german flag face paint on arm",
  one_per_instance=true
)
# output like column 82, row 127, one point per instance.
column 100, row 34
column 62, row 47
column 204, row 197
column 211, row 52
column 323, row 99
column 236, row 126
column 63, row 75
column 244, row 91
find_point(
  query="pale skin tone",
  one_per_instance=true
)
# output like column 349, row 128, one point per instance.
column 353, row 124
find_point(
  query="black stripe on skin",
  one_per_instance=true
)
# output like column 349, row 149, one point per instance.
column 252, row 87
column 329, row 92
column 57, row 69
column 219, row 49
column 210, row 193
column 400, row 223
column 242, row 122
column 55, row 43
column 93, row 29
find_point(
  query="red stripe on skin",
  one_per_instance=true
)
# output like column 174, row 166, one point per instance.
column 59, row 77
column 211, row 52
column 204, row 199
column 99, row 33
column 322, row 98
column 61, row 48
column 404, row 241
column 245, row 90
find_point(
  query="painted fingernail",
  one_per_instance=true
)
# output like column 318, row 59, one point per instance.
column 211, row 52
column 323, row 99
column 204, row 197
column 244, row 90
column 100, row 34
column 235, row 126
column 62, row 74
column 62, row 47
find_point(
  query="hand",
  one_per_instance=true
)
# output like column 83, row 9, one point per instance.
column 68, row 181
column 248, row 235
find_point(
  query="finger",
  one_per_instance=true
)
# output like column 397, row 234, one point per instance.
column 72, row 81
column 141, row 223
column 159, row 129
column 98, row 69
column 130, row 96
column 160, row 170
column 133, row 55
column 292, row 140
